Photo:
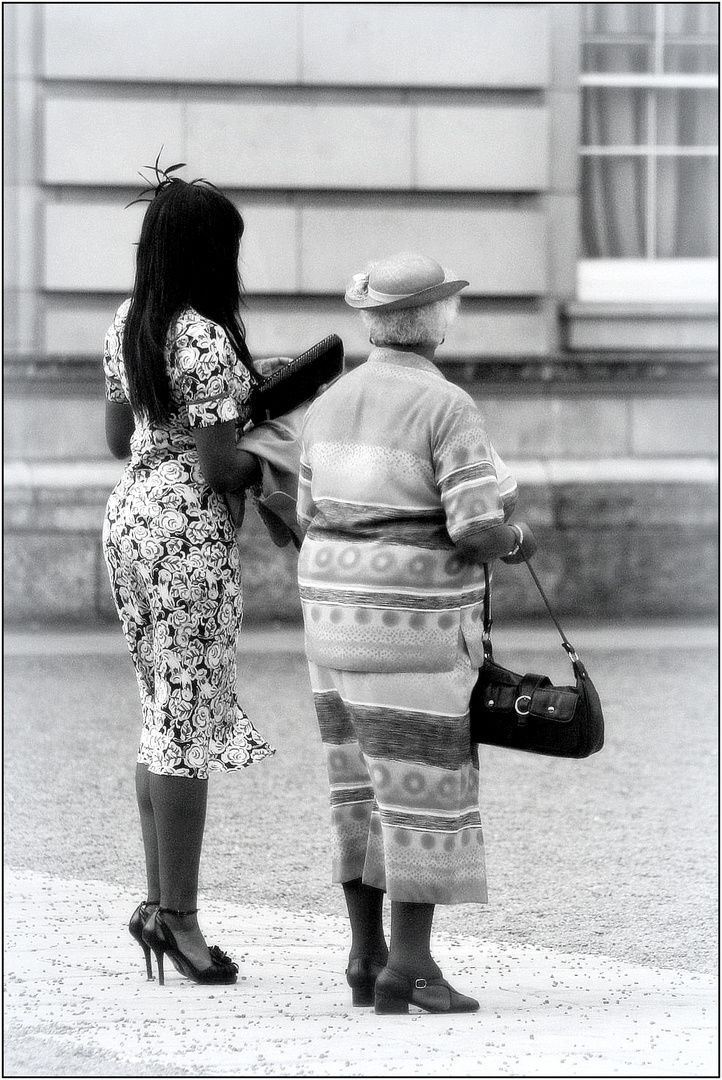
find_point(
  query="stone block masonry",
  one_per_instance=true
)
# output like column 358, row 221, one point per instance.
column 616, row 539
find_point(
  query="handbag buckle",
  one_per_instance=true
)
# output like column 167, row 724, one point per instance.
column 520, row 711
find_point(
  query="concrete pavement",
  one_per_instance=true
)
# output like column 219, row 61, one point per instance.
column 77, row 1002
column 76, row 988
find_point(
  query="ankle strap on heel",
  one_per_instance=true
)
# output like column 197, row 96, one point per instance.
column 178, row 914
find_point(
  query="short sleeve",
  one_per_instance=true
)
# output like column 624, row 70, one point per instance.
column 213, row 382
column 305, row 508
column 465, row 467
column 507, row 485
column 113, row 357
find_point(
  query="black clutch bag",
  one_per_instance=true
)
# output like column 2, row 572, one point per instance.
column 298, row 381
column 527, row 712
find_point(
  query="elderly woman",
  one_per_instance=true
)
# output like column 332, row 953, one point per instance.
column 403, row 500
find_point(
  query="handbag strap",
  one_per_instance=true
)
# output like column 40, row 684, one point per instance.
column 566, row 643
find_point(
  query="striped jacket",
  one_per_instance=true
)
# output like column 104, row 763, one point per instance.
column 395, row 467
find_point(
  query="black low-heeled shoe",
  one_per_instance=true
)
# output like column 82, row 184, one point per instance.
column 395, row 992
column 138, row 920
column 361, row 976
column 161, row 939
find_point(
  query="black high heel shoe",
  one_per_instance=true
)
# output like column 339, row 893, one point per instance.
column 161, row 939
column 395, row 992
column 361, row 977
column 137, row 922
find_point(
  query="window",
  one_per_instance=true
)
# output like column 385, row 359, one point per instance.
column 649, row 151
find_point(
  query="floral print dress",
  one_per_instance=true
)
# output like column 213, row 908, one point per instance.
column 174, row 565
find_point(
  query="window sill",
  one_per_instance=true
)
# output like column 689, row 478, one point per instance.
column 648, row 281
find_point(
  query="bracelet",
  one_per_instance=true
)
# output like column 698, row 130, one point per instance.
column 519, row 542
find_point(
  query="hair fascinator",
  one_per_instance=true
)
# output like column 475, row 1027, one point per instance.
column 162, row 179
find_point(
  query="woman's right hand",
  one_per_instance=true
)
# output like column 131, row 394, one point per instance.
column 527, row 544
column 270, row 364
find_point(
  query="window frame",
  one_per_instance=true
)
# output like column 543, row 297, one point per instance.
column 649, row 279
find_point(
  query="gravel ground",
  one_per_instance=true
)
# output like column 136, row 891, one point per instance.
column 611, row 856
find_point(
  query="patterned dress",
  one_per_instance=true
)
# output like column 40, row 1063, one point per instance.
column 396, row 466
column 174, row 566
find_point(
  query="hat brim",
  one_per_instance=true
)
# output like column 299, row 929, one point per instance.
column 425, row 296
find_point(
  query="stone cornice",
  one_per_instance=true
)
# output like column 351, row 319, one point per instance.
column 82, row 376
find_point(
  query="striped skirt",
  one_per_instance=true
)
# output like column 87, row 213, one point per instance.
column 404, row 781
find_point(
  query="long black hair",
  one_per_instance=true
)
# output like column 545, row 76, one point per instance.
column 187, row 256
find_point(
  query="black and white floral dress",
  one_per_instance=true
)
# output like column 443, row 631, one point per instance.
column 170, row 548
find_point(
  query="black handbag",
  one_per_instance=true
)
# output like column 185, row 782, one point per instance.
column 298, row 381
column 527, row 712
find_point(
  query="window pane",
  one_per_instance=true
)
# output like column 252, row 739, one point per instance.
column 614, row 116
column 687, row 208
column 692, row 20
column 691, row 59
column 606, row 56
column 691, row 38
column 626, row 20
column 687, row 117
column 614, row 202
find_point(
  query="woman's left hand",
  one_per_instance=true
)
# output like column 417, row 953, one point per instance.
column 270, row 364
column 526, row 547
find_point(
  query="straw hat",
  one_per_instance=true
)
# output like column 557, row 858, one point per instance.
column 404, row 280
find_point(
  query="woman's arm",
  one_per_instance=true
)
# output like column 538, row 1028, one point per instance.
column 119, row 427
column 224, row 466
column 512, row 543
column 487, row 545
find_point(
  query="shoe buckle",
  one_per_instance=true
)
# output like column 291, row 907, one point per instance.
column 420, row 984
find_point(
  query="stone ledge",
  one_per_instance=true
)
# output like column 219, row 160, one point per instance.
column 69, row 497
column 64, row 475
column 61, row 475
column 577, row 371
column 616, row 538
column 650, row 327
column 618, row 310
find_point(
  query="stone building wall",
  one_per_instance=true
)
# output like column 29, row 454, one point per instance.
column 344, row 132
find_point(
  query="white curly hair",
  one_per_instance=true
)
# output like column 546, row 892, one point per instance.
column 423, row 325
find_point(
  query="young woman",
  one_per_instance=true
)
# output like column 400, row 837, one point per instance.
column 177, row 374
